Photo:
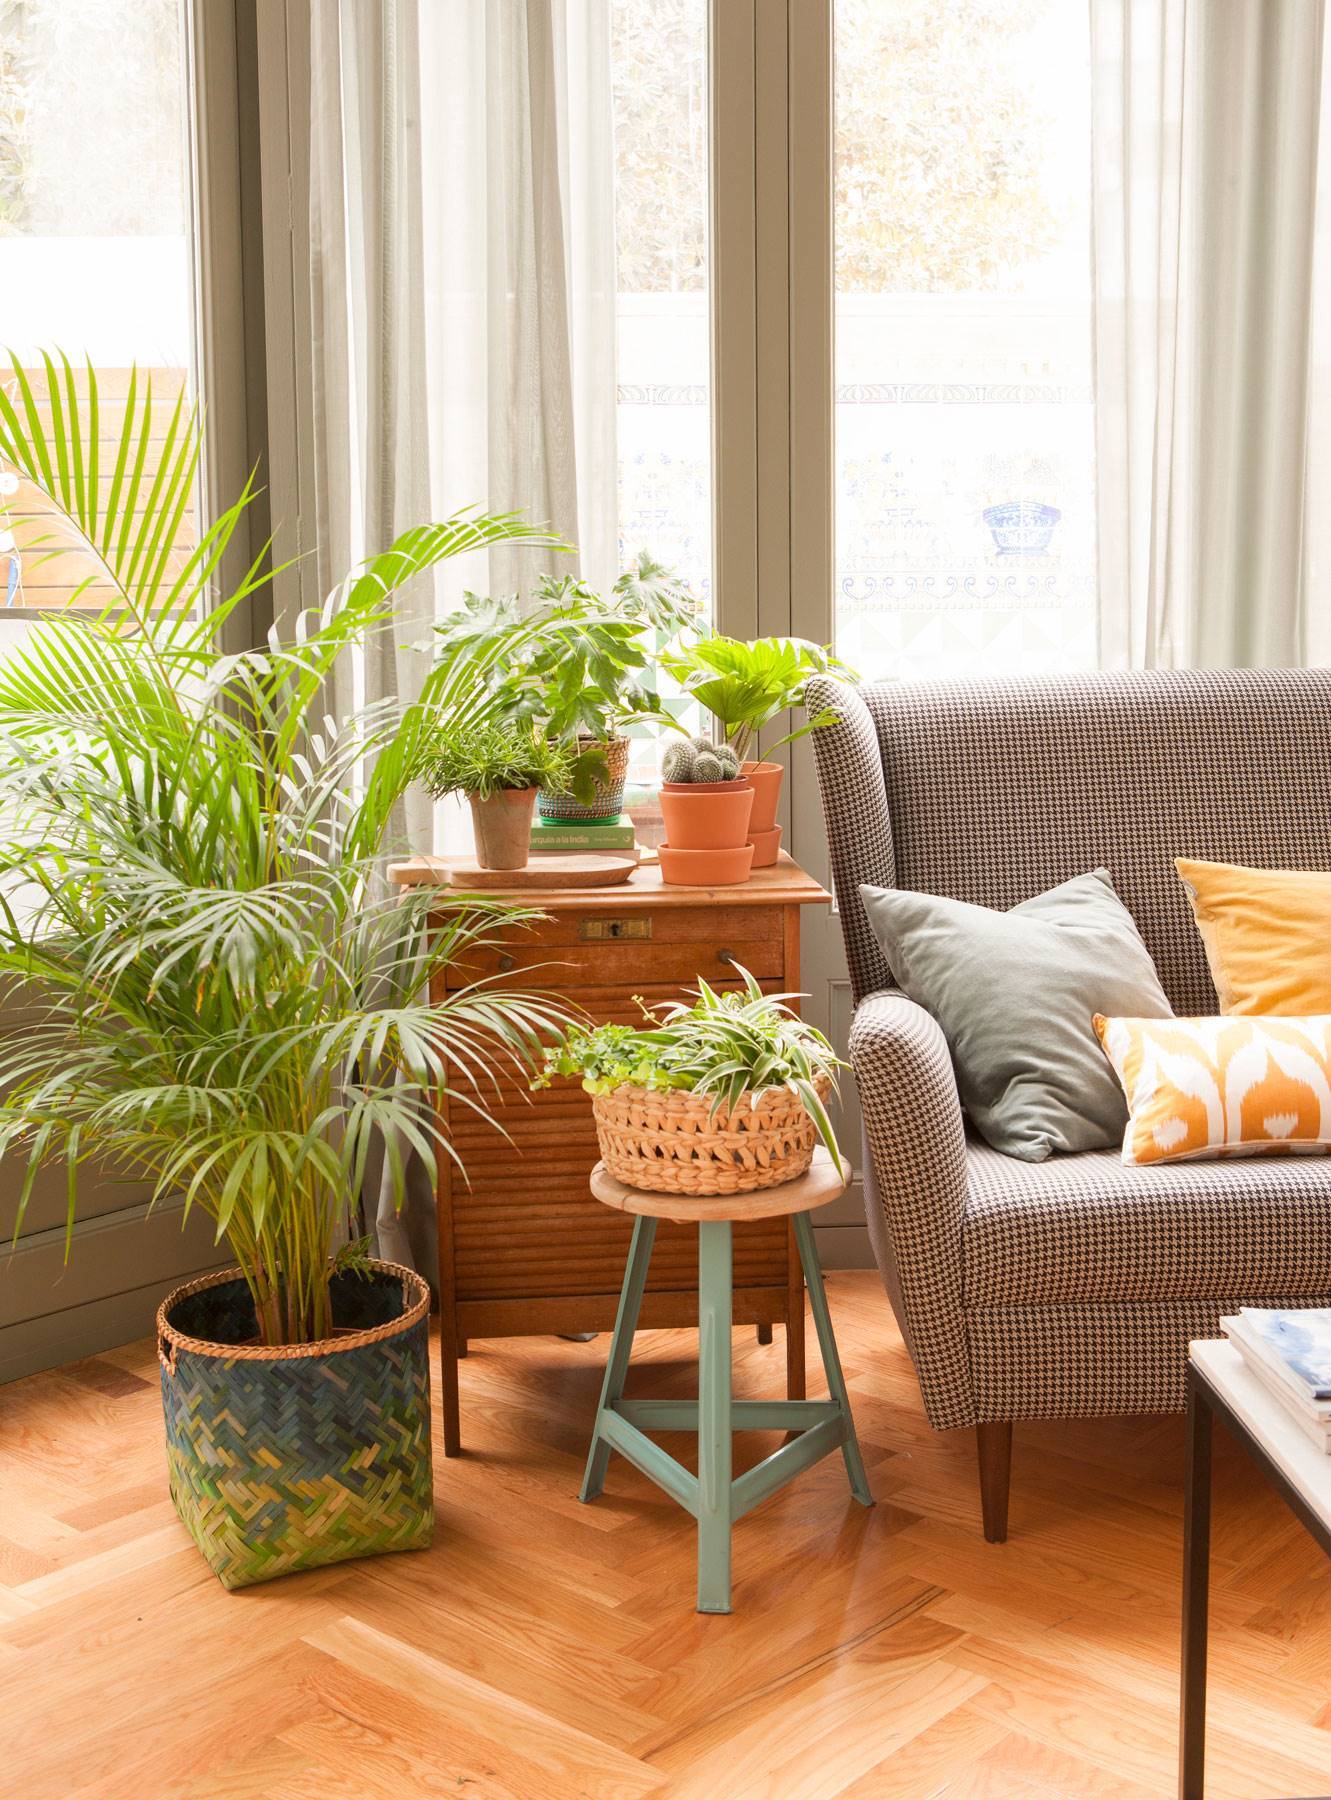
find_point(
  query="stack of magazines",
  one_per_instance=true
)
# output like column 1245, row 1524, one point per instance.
column 1290, row 1351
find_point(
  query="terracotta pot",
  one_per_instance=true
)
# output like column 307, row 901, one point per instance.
column 503, row 828
column 711, row 815
column 705, row 868
column 765, row 778
column 608, row 800
column 766, row 845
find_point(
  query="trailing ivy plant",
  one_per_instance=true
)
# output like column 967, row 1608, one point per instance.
column 725, row 1044
column 224, row 998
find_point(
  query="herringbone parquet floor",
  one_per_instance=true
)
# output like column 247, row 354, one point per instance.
column 547, row 1649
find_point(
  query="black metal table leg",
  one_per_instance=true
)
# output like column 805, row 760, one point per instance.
column 1196, row 1593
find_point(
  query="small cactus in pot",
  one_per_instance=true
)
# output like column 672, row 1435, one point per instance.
column 699, row 762
column 706, row 807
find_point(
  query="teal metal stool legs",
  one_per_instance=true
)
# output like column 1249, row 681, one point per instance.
column 621, row 1348
column 714, row 1442
column 715, row 1496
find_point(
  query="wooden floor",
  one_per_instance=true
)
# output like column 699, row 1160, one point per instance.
column 547, row 1649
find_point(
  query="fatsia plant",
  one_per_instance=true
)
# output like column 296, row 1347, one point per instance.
column 223, row 996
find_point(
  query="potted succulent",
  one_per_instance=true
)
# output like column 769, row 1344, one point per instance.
column 576, row 665
column 230, row 1001
column 705, row 806
column 744, row 686
column 723, row 1096
column 500, row 768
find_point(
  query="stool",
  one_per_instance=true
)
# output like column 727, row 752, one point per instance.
column 712, row 1496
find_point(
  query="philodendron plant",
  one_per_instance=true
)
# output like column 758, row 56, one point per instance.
column 723, row 1044
column 227, row 1000
column 745, row 685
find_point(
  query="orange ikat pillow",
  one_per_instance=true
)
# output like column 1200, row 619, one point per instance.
column 1231, row 1086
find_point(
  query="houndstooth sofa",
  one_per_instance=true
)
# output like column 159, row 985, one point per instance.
column 1070, row 1287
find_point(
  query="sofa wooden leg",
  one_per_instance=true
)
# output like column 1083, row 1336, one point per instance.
column 994, row 1443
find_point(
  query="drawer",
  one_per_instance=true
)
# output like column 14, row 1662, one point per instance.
column 628, row 962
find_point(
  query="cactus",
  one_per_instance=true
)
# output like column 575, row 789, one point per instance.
column 728, row 761
column 678, row 762
column 707, row 768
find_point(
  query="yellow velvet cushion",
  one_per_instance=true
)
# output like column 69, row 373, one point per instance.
column 1267, row 934
column 1221, row 1087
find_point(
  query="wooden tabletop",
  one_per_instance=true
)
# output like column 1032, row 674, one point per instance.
column 815, row 1188
column 783, row 884
column 1304, row 1466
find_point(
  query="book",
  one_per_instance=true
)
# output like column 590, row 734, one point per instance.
column 583, row 834
column 1319, row 1430
column 1297, row 1340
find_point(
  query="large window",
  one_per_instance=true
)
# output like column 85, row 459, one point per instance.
column 94, row 242
column 965, row 522
column 663, row 413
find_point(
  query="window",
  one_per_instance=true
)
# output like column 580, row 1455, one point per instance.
column 965, row 516
column 94, row 246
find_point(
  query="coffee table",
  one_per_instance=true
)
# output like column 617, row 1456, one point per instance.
column 1221, row 1386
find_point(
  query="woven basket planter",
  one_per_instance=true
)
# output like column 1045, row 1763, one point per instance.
column 286, row 1458
column 608, row 800
column 673, row 1142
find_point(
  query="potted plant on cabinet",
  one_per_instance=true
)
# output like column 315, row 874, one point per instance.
column 574, row 664
column 724, row 1096
column 744, row 686
column 500, row 768
column 189, row 882
column 705, row 807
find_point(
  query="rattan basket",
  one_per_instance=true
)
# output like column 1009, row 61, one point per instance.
column 677, row 1142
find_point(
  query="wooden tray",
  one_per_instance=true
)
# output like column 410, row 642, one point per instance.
column 551, row 869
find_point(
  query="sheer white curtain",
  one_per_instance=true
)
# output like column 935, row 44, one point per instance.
column 1205, row 150
column 462, row 291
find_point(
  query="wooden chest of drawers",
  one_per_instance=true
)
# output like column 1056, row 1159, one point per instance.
column 523, row 1247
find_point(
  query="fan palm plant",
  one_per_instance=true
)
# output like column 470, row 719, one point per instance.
column 227, row 997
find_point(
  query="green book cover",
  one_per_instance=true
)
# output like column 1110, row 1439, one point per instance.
column 578, row 834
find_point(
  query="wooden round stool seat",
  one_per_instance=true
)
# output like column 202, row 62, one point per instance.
column 819, row 1184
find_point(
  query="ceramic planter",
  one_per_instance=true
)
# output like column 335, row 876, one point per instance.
column 705, row 868
column 764, row 832
column 706, row 815
column 503, row 828
column 608, row 800
column 303, row 1454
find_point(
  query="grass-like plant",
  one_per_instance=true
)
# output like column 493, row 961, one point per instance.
column 227, row 1002
column 745, row 685
column 724, row 1045
column 483, row 760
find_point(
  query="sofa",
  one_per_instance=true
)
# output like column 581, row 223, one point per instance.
column 1069, row 1287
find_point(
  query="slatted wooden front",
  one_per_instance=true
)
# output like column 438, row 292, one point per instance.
column 523, row 1245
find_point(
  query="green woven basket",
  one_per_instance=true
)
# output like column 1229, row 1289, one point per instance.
column 288, row 1458
column 607, row 801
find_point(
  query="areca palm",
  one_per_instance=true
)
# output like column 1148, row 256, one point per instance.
column 228, row 1000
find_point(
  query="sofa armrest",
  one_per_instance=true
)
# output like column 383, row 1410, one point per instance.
column 915, row 1188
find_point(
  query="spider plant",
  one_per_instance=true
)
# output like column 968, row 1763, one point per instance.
column 227, row 1000
column 725, row 1045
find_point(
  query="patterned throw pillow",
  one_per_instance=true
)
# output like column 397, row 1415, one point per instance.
column 1221, row 1087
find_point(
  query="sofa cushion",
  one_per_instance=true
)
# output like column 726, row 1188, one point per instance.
column 1267, row 934
column 1091, row 1228
column 1015, row 993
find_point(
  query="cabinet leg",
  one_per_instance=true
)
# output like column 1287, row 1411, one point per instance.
column 765, row 1332
column 714, row 1440
column 795, row 1386
column 448, row 1382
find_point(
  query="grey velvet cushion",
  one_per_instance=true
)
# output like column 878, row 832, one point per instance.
column 1015, row 993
